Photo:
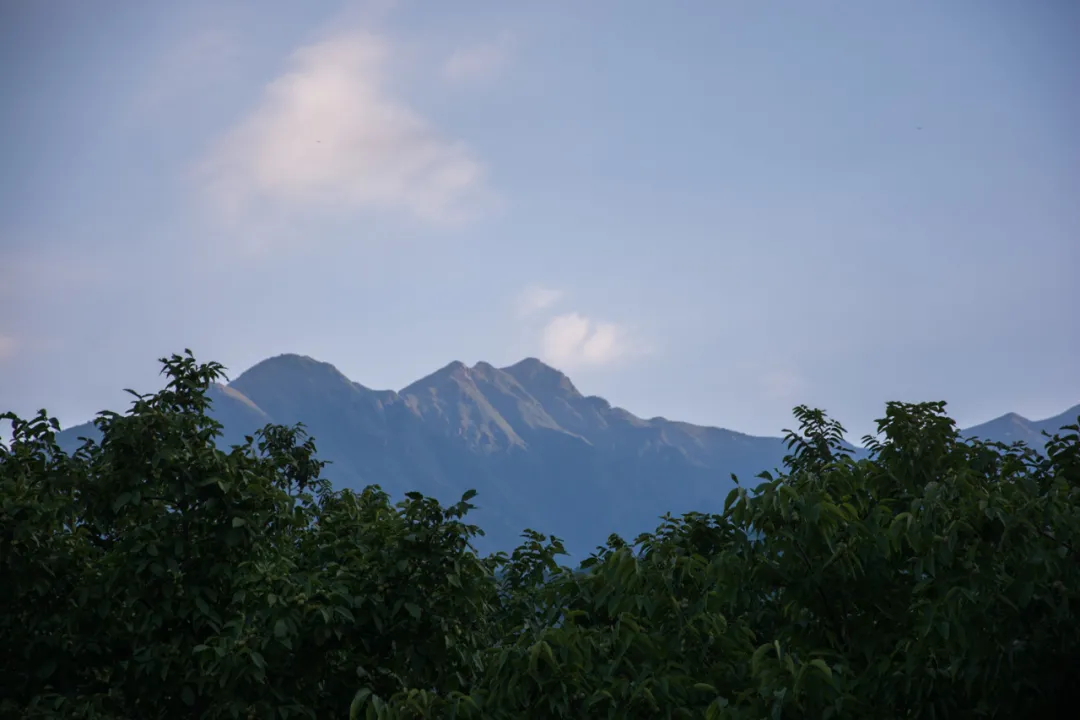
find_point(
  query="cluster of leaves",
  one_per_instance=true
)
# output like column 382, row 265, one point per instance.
column 154, row 575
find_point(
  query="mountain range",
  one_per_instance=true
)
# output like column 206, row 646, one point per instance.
column 541, row 454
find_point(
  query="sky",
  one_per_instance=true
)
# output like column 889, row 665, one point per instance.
column 708, row 211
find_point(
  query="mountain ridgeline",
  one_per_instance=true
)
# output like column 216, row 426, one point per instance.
column 541, row 454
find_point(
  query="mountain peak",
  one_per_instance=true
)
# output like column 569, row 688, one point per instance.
column 289, row 361
column 539, row 377
column 452, row 368
column 448, row 372
column 532, row 364
column 290, row 368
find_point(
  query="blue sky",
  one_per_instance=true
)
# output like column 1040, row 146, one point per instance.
column 710, row 211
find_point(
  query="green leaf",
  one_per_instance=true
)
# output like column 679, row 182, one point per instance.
column 358, row 702
column 47, row 669
column 758, row 657
column 823, row 667
column 121, row 500
column 1024, row 593
column 732, row 496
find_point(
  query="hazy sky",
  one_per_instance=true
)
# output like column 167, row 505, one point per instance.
column 710, row 210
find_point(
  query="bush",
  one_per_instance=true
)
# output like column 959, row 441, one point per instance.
column 154, row 575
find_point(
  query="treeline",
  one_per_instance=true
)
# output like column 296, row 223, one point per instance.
column 152, row 575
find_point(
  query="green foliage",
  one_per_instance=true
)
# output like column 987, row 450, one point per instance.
column 154, row 575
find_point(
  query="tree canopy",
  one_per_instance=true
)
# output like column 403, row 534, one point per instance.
column 152, row 574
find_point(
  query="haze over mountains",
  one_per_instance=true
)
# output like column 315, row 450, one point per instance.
column 541, row 454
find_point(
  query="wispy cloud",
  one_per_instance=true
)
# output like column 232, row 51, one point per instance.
column 330, row 134
column 478, row 63
column 535, row 298
column 573, row 340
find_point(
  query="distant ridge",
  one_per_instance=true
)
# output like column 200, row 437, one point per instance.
column 1011, row 427
column 541, row 454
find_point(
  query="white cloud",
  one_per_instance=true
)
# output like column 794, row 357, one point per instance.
column 330, row 134
column 8, row 346
column 477, row 64
column 535, row 298
column 573, row 340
